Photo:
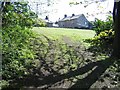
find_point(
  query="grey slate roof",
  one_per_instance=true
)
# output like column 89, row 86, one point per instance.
column 71, row 17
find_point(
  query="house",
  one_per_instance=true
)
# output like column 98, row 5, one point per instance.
column 48, row 22
column 74, row 21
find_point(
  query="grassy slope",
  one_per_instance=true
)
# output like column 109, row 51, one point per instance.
column 58, row 33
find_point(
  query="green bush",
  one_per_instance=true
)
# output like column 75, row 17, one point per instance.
column 17, row 50
column 3, row 84
column 104, row 38
column 100, row 25
column 102, row 42
column 39, row 23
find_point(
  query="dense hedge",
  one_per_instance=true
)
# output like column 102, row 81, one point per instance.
column 17, row 52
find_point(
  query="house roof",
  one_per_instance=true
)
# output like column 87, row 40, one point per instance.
column 71, row 17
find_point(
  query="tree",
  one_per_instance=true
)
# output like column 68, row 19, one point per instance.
column 42, row 7
column 116, row 18
column 87, row 3
column 16, row 39
column 16, row 13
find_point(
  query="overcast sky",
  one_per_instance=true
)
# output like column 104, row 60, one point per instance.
column 62, row 7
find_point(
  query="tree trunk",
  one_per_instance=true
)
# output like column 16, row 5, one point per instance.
column 116, row 19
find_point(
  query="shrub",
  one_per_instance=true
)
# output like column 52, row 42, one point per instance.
column 3, row 84
column 100, row 25
column 17, row 52
column 39, row 23
column 102, row 42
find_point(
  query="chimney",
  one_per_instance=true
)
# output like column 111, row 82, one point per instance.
column 65, row 16
column 73, row 14
column 46, row 18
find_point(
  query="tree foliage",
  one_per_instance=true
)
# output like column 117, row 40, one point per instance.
column 17, row 53
column 102, row 43
column 39, row 23
column 100, row 25
column 16, row 13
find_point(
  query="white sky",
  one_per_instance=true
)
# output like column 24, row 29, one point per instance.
column 62, row 7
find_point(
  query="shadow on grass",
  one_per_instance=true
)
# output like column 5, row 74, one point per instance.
column 101, row 67
column 100, row 46
column 39, row 81
column 47, row 76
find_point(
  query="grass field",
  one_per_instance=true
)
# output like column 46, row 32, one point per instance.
column 58, row 33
